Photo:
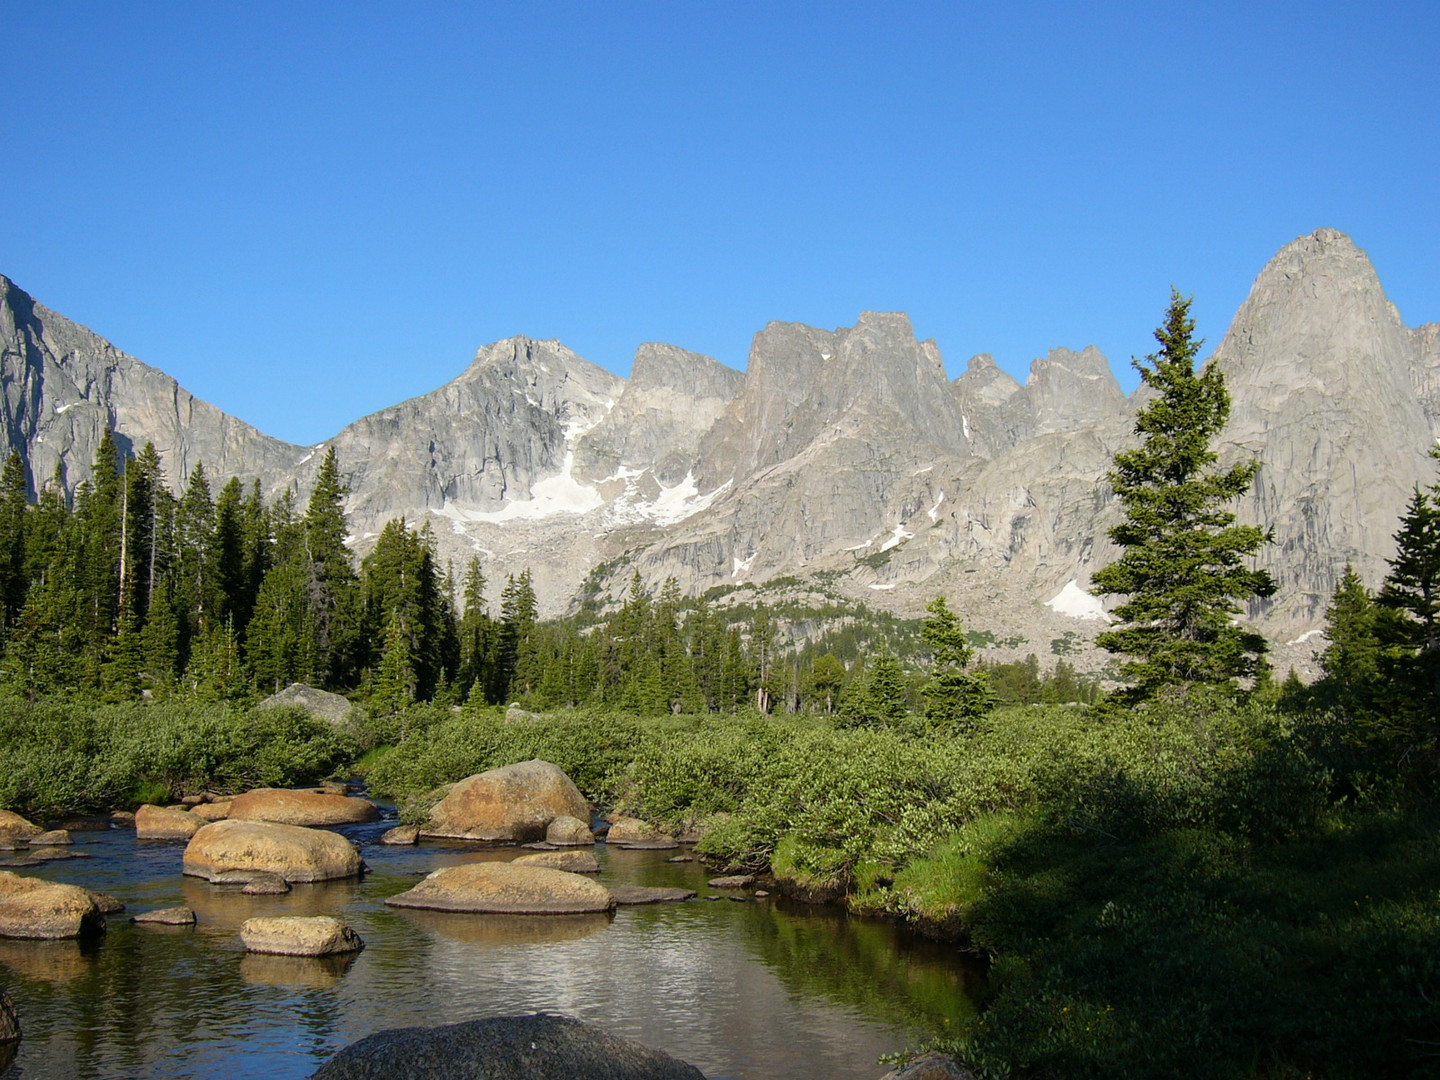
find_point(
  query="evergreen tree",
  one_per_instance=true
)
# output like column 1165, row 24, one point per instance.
column 1182, row 567
column 1412, row 593
column 1351, row 661
column 395, row 683
column 334, row 596
column 475, row 631
column 13, row 507
column 827, row 677
column 954, row 698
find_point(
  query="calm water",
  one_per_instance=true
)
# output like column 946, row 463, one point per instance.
column 740, row 990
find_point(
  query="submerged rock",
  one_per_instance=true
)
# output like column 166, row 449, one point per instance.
column 262, row 884
column 300, row 935
column 301, row 808
column 504, row 888
column 539, row 1047
column 31, row 908
column 627, row 895
column 515, row 803
column 292, row 852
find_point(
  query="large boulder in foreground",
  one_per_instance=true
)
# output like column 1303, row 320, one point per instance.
column 506, row 889
column 514, row 803
column 292, row 852
column 165, row 823
column 537, row 1047
column 300, row 935
column 31, row 908
column 300, row 808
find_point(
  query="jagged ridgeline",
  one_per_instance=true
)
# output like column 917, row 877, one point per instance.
column 845, row 457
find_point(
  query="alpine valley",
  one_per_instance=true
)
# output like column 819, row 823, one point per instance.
column 841, row 462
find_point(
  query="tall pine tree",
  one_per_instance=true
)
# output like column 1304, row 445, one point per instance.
column 1183, row 565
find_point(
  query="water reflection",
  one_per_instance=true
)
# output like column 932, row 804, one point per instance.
column 322, row 972
column 46, row 961
column 739, row 990
column 507, row 930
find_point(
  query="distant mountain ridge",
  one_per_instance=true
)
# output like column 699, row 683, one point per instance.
column 845, row 456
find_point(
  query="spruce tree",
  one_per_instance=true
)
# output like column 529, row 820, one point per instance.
column 1412, row 594
column 954, row 698
column 1183, row 564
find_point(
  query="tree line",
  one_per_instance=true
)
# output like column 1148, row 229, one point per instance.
column 126, row 590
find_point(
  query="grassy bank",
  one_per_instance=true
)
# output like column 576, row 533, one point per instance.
column 1201, row 888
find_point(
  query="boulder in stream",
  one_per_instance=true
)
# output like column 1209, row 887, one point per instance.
column 504, row 888
column 53, row 838
column 32, row 908
column 628, row 895
column 170, row 916
column 292, row 852
column 300, row 935
column 567, row 831
column 165, row 823
column 308, row 808
column 514, row 803
column 539, row 1047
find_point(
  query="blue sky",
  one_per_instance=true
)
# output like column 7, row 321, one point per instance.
column 306, row 212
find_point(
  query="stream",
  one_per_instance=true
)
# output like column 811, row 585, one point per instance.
column 741, row 989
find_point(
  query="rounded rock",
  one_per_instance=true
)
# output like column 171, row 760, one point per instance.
column 401, row 835
column 292, row 852
column 515, row 803
column 53, row 838
column 309, row 808
column 172, row 916
column 539, row 1047
column 300, row 935
column 567, row 831
column 165, row 823
column 31, row 908
column 504, row 888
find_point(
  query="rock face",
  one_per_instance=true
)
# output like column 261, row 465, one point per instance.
column 506, row 889
column 63, row 386
column 299, row 935
column 842, row 452
column 165, row 823
column 1321, row 371
column 300, row 808
column 515, row 803
column 537, row 1047
column 292, row 852
column 30, row 908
